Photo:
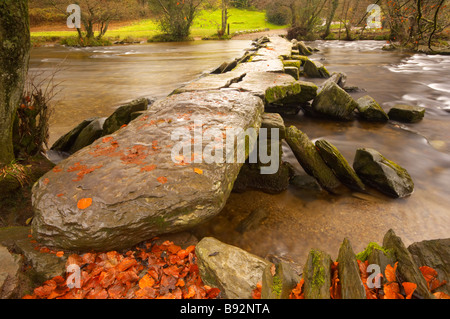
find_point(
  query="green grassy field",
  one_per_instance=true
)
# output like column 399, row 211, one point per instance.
column 205, row 25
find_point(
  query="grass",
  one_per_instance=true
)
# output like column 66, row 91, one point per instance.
column 206, row 25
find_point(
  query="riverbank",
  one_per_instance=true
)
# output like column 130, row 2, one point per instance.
column 205, row 27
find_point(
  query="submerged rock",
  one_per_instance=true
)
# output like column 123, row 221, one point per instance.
column 309, row 158
column 341, row 168
column 406, row 113
column 334, row 102
column 234, row 271
column 317, row 275
column 386, row 176
column 314, row 69
column 370, row 110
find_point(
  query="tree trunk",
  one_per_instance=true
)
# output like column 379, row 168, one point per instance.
column 14, row 58
column 334, row 5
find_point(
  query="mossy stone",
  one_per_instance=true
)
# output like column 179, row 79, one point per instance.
column 370, row 110
column 341, row 168
column 317, row 275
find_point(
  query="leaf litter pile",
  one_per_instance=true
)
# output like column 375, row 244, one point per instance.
column 390, row 290
column 150, row 271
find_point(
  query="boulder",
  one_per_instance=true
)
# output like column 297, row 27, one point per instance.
column 127, row 187
column 10, row 265
column 278, row 285
column 435, row 254
column 292, row 71
column 273, row 121
column 302, row 48
column 339, row 78
column 296, row 93
column 310, row 159
column 122, row 115
column 406, row 113
column 250, row 177
column 386, row 176
column 293, row 63
column 253, row 220
column 370, row 110
column 334, row 102
column 65, row 142
column 220, row 68
column 314, row 69
column 44, row 266
column 301, row 58
column 341, row 168
column 231, row 269
column 88, row 135
column 317, row 275
column 349, row 277
column 407, row 269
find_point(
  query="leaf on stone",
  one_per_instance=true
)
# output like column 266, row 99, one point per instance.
column 84, row 203
column 441, row 295
column 392, row 291
column 162, row 179
column 198, row 171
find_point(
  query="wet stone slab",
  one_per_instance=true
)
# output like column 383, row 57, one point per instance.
column 125, row 187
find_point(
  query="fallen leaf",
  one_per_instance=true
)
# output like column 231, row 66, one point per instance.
column 162, row 179
column 441, row 295
column 409, row 288
column 146, row 282
column 60, row 254
column 390, row 272
column 198, row 171
column 84, row 203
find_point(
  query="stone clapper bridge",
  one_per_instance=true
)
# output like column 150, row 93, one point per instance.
column 124, row 188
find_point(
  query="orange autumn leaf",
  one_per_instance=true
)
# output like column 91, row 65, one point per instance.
column 148, row 168
column 84, row 203
column 392, row 291
column 390, row 272
column 146, row 282
column 441, row 295
column 191, row 293
column 198, row 171
column 409, row 288
column 335, row 289
column 297, row 292
column 162, row 179
column 256, row 293
column 59, row 254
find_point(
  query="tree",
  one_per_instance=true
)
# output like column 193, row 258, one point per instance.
column 333, row 8
column 14, row 59
column 95, row 14
column 416, row 22
column 175, row 16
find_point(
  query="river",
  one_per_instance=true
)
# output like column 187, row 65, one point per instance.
column 96, row 80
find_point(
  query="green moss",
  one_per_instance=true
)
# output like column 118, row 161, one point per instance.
column 364, row 255
column 277, row 285
column 318, row 270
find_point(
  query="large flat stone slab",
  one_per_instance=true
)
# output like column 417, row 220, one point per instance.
column 212, row 82
column 125, row 187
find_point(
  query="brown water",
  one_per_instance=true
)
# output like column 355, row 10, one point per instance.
column 95, row 81
column 300, row 220
column 98, row 80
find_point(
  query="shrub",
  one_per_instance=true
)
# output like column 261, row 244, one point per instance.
column 278, row 15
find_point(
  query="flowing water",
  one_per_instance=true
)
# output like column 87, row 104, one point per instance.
column 97, row 80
